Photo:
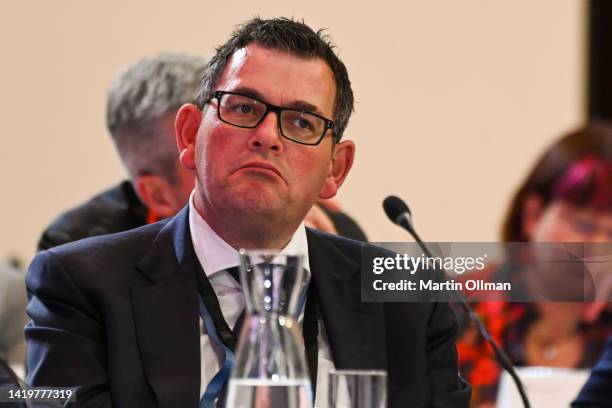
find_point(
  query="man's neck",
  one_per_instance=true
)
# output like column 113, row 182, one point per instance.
column 248, row 232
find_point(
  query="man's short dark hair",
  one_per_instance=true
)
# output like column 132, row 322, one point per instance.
column 140, row 99
column 293, row 37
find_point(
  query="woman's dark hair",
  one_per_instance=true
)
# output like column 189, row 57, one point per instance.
column 576, row 169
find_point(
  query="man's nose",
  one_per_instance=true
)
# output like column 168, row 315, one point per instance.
column 267, row 135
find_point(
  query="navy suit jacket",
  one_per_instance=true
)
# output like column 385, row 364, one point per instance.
column 597, row 392
column 117, row 315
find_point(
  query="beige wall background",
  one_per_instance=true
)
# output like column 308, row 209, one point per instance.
column 455, row 99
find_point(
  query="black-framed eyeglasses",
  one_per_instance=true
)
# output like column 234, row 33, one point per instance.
column 247, row 112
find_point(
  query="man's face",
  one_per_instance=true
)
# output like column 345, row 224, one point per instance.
column 257, row 172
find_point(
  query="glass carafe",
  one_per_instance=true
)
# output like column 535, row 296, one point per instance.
column 270, row 369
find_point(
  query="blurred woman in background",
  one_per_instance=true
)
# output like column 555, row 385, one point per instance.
column 567, row 197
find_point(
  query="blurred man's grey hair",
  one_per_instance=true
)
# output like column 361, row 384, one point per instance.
column 140, row 99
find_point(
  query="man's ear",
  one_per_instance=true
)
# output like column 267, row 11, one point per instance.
column 157, row 195
column 530, row 214
column 186, row 126
column 342, row 161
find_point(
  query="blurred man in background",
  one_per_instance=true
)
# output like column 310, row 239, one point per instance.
column 141, row 107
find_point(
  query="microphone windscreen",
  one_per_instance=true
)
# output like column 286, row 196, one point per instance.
column 394, row 207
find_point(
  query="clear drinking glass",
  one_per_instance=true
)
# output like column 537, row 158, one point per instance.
column 270, row 369
column 357, row 389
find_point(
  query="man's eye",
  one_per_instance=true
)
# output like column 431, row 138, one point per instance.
column 304, row 124
column 243, row 108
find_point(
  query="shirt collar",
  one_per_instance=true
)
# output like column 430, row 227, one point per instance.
column 216, row 255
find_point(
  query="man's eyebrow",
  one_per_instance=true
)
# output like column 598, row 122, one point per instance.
column 253, row 93
column 298, row 105
column 304, row 106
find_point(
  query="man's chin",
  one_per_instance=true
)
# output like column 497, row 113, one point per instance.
column 252, row 203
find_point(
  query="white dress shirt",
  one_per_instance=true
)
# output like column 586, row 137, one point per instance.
column 216, row 256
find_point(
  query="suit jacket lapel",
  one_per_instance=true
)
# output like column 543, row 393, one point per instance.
column 355, row 330
column 166, row 316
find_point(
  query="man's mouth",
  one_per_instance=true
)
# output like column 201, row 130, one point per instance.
column 262, row 167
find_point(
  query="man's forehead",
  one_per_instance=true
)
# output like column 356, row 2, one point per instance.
column 252, row 58
column 236, row 60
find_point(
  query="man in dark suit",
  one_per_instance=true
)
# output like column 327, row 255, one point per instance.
column 118, row 315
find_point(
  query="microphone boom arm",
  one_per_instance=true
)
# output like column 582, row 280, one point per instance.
column 399, row 214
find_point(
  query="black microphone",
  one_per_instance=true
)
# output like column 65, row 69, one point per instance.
column 399, row 213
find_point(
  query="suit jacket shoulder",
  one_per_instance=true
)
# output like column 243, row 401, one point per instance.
column 110, row 313
column 114, row 210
